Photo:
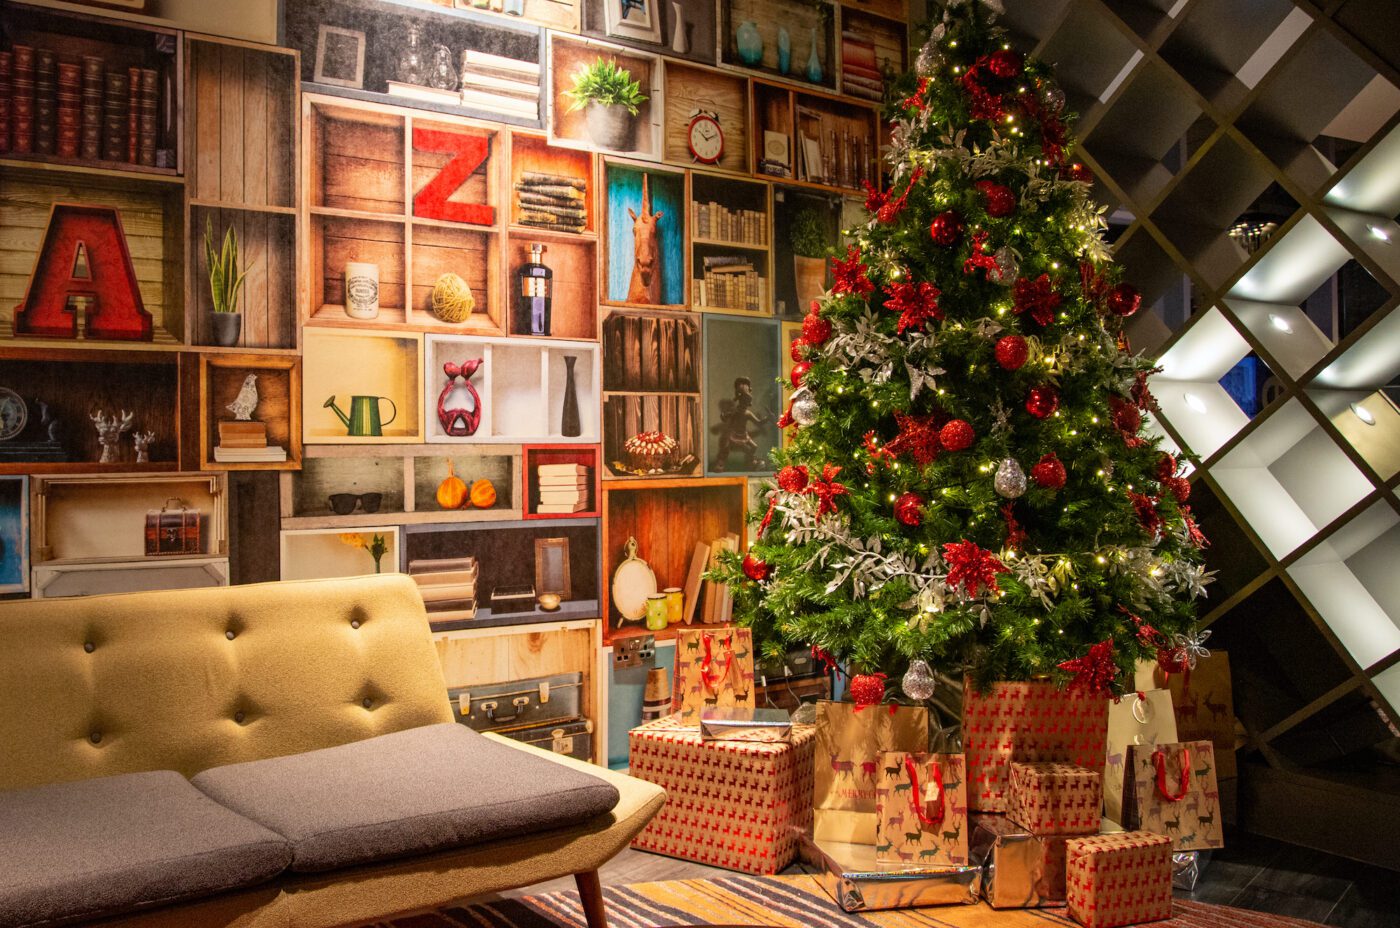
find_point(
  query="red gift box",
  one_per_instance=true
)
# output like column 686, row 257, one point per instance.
column 732, row 804
column 1028, row 722
column 1055, row 799
column 1119, row 879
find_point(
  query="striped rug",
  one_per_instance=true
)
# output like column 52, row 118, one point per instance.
column 780, row 902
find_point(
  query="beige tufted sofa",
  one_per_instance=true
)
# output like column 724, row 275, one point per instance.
column 190, row 680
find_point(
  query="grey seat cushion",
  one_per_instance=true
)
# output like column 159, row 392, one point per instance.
column 411, row 792
column 77, row 851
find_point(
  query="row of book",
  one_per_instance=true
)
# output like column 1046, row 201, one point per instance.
column 647, row 353
column 861, row 74
column 489, row 83
column 552, row 201
column 717, row 222
column 448, row 587
column 830, row 153
column 628, row 415
column 73, row 109
column 243, row 442
column 731, row 283
column 561, row 489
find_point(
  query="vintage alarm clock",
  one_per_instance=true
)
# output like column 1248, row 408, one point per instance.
column 705, row 138
column 459, row 405
column 14, row 415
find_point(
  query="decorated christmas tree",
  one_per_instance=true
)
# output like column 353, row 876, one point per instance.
column 968, row 486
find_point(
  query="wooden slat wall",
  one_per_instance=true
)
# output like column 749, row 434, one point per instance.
column 361, row 166
column 709, row 90
column 240, row 114
column 147, row 213
column 438, row 250
column 380, row 243
column 267, row 254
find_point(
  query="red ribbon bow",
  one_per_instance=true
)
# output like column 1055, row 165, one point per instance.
column 1160, row 759
column 708, row 676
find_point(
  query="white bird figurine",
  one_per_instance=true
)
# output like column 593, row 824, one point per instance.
column 247, row 400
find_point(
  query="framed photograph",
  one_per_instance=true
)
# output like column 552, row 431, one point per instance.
column 633, row 19
column 14, row 534
column 340, row 57
column 552, row 567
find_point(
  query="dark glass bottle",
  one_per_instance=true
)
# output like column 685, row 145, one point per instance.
column 533, row 296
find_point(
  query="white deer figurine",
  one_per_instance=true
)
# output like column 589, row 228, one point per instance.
column 109, row 433
column 143, row 445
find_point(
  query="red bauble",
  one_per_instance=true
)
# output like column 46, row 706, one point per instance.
column 956, row 435
column 1077, row 172
column 1127, row 418
column 1178, row 487
column 798, row 351
column 1124, row 300
column 1005, row 63
column 947, row 228
column 1012, row 351
column 1171, row 660
column 1166, row 466
column 1049, row 473
column 799, row 370
column 1042, row 401
column 999, row 199
column 868, row 689
column 815, row 329
column 756, row 569
column 793, row 478
column 908, row 509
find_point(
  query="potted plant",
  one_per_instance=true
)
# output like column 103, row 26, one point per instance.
column 811, row 246
column 610, row 101
column 225, row 284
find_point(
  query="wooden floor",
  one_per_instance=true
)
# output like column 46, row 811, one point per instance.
column 1251, row 873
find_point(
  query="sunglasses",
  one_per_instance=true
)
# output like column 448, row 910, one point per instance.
column 342, row 504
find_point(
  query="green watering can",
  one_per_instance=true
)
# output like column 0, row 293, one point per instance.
column 364, row 415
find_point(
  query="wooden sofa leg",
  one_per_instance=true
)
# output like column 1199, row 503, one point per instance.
column 590, row 893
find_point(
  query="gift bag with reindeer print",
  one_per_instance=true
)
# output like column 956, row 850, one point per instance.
column 1171, row 790
column 850, row 741
column 714, row 667
column 1141, row 719
column 921, row 809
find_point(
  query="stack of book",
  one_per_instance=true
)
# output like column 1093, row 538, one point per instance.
column 448, row 587
column 860, row 67
column 731, row 282
column 497, row 84
column 563, row 488
column 552, row 201
column 737, row 226
column 246, row 443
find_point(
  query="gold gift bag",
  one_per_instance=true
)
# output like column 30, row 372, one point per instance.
column 1205, row 707
column 1172, row 790
column 849, row 744
column 714, row 667
column 921, row 809
column 1138, row 719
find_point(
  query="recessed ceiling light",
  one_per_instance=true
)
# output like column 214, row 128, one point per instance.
column 1378, row 233
column 1281, row 324
column 1362, row 413
column 1194, row 403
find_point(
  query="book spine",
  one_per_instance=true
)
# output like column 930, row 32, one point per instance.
column 7, row 73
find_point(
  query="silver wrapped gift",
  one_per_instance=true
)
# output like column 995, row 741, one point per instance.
column 859, row 883
column 1187, row 868
column 735, row 723
column 1016, row 869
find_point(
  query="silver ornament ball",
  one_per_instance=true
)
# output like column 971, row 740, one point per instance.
column 1054, row 97
column 805, row 408
column 1010, row 480
column 1007, row 266
column 918, row 682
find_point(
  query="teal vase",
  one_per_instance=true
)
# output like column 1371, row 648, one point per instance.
column 749, row 43
column 814, row 62
column 784, row 51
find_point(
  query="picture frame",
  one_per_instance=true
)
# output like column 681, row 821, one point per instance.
column 639, row 20
column 552, row 567
column 340, row 57
column 14, row 534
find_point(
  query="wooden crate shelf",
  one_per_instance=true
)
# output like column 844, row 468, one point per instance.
column 725, row 95
column 267, row 254
column 742, row 348
column 622, row 186
column 533, row 154
column 730, row 222
column 582, row 455
column 871, row 45
column 221, row 380
column 570, row 128
column 340, row 364
column 651, row 382
column 314, row 554
column 574, row 261
column 803, row 21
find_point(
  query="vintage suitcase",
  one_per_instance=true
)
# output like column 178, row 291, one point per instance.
column 505, row 707
column 572, row 738
column 172, row 531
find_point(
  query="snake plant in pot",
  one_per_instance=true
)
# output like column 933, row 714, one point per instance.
column 225, row 285
column 611, row 101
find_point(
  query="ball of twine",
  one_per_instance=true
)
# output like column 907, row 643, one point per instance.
column 452, row 299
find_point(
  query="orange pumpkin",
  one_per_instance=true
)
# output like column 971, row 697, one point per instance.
column 452, row 492
column 483, row 494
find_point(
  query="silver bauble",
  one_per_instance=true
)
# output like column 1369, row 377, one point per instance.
column 1010, row 480
column 1054, row 97
column 1007, row 266
column 918, row 682
column 805, row 408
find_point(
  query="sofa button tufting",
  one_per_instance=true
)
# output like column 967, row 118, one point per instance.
column 95, row 737
column 238, row 717
column 230, row 634
column 367, row 702
column 89, row 647
column 354, row 623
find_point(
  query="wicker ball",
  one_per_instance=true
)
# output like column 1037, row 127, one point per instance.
column 452, row 299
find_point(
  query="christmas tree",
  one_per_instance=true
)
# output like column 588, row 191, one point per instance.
column 968, row 482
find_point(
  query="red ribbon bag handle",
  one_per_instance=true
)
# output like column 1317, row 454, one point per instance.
column 708, row 675
column 1159, row 758
column 918, row 802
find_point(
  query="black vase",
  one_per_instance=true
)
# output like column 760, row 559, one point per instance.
column 572, row 426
